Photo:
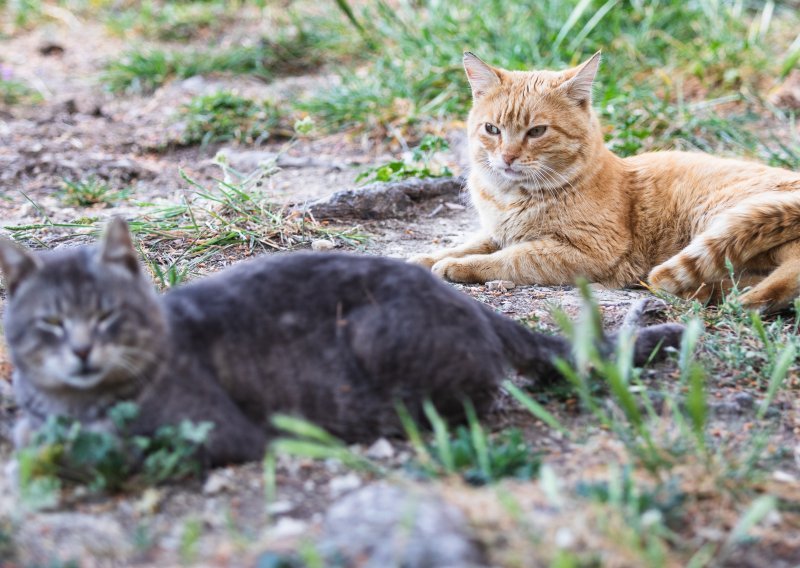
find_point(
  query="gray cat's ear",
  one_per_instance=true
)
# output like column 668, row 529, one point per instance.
column 481, row 76
column 17, row 264
column 117, row 247
column 579, row 86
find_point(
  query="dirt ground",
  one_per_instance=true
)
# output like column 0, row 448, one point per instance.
column 79, row 130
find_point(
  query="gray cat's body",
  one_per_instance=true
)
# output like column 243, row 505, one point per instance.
column 337, row 339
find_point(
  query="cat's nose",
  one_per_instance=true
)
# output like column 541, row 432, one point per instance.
column 82, row 351
column 509, row 158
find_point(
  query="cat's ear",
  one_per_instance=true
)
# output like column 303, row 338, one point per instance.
column 17, row 264
column 579, row 86
column 481, row 76
column 117, row 247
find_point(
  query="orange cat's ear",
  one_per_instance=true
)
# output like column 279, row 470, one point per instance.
column 482, row 77
column 117, row 247
column 579, row 86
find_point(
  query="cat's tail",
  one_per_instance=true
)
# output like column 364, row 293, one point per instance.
column 757, row 225
column 534, row 354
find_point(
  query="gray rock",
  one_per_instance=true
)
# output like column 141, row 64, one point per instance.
column 386, row 525
column 381, row 449
column 91, row 540
column 744, row 400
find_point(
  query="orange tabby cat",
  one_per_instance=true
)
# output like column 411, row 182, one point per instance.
column 556, row 204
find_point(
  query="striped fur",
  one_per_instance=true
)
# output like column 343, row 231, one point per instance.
column 558, row 206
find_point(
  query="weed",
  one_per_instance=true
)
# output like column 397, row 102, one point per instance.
column 170, row 21
column 16, row 92
column 90, row 191
column 225, row 116
column 470, row 452
column 418, row 164
column 621, row 491
column 285, row 53
column 190, row 538
column 65, row 453
column 235, row 215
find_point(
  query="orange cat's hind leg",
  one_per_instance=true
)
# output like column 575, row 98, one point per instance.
column 779, row 289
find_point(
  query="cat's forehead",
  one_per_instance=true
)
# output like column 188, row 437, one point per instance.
column 521, row 96
column 66, row 278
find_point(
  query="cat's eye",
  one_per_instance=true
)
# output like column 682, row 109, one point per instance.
column 105, row 315
column 491, row 129
column 53, row 321
column 537, row 131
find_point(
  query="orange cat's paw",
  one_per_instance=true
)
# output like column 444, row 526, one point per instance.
column 664, row 277
column 456, row 270
column 425, row 260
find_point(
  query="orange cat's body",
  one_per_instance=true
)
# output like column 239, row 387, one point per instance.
column 555, row 204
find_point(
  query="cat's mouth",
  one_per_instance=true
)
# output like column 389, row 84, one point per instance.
column 86, row 378
column 511, row 173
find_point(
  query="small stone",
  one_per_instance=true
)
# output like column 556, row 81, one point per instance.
column 385, row 525
column 783, row 477
column 149, row 502
column 744, row 400
column 500, row 285
column 454, row 206
column 322, row 245
column 382, row 449
column 279, row 507
column 287, row 527
column 344, row 484
column 217, row 482
column 565, row 538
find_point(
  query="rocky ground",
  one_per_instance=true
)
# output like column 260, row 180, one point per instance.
column 324, row 512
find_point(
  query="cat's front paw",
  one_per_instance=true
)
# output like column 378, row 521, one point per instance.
column 665, row 277
column 457, row 270
column 424, row 260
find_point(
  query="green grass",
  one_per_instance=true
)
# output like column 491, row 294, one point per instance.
column 226, row 116
column 90, row 191
column 15, row 92
column 660, row 60
column 233, row 217
column 171, row 21
column 288, row 50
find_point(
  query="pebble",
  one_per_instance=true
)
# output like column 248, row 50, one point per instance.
column 279, row 507
column 381, row 449
column 385, row 525
column 338, row 486
column 743, row 399
column 500, row 285
column 287, row 527
column 218, row 482
column 322, row 245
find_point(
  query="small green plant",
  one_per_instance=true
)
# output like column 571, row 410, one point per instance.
column 91, row 191
column 420, row 163
column 479, row 458
column 225, row 116
column 623, row 492
column 301, row 48
column 190, row 538
column 15, row 92
column 65, row 453
column 170, row 21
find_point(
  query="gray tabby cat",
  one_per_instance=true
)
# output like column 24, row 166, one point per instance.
column 337, row 339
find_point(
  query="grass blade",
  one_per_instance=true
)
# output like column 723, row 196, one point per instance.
column 534, row 407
